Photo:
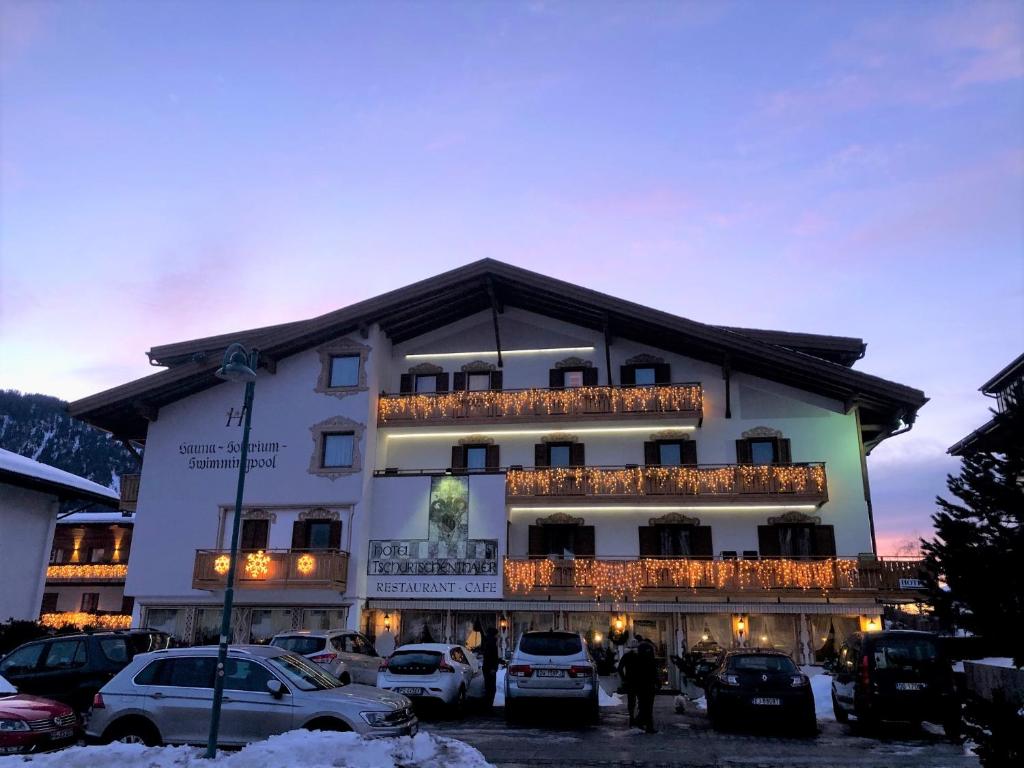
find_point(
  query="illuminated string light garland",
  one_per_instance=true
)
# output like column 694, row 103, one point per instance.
column 735, row 479
column 541, row 402
column 619, row 579
column 87, row 571
column 257, row 565
column 80, row 620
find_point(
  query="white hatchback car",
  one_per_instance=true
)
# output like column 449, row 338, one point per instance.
column 346, row 654
column 433, row 671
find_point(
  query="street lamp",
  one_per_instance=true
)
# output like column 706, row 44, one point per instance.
column 239, row 366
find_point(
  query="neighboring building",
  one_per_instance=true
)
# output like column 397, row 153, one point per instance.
column 88, row 565
column 1005, row 387
column 30, row 496
column 495, row 446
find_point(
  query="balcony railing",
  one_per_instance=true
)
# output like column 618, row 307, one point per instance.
column 519, row 405
column 621, row 578
column 803, row 482
column 272, row 569
column 113, row 572
column 129, row 492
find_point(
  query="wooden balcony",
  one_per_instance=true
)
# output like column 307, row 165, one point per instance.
column 658, row 578
column 272, row 569
column 129, row 492
column 805, row 483
column 91, row 573
column 529, row 405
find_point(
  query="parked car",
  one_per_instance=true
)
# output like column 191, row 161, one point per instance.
column 165, row 697
column 346, row 654
column 551, row 665
column 755, row 685
column 30, row 724
column 895, row 675
column 433, row 671
column 71, row 668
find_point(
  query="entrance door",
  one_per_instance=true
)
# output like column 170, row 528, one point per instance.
column 657, row 629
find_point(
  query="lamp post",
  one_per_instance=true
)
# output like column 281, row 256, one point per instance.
column 239, row 365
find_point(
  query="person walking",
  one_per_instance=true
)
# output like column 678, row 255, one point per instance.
column 625, row 670
column 646, row 682
column 489, row 648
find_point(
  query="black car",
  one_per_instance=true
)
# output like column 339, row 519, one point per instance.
column 895, row 675
column 756, row 686
column 71, row 668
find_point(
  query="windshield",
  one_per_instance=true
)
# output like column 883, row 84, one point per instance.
column 414, row 662
column 765, row 663
column 303, row 675
column 301, row 644
column 905, row 652
column 551, row 644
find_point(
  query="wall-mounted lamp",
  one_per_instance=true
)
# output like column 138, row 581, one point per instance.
column 764, row 638
column 619, row 624
column 387, row 622
column 503, row 623
column 598, row 637
column 706, row 634
column 872, row 625
column 741, row 625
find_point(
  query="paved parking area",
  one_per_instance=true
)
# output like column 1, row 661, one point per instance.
column 687, row 740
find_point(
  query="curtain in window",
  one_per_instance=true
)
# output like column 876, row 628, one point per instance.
column 338, row 451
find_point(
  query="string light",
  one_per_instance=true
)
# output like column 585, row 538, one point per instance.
column 79, row 620
column 221, row 564
column 571, row 401
column 618, row 579
column 728, row 480
column 257, row 565
column 92, row 571
column 306, row 563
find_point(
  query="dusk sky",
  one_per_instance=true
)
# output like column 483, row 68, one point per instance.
column 179, row 169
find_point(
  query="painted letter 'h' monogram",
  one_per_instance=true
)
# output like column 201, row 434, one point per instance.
column 235, row 416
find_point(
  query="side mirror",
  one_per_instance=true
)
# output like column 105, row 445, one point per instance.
column 275, row 688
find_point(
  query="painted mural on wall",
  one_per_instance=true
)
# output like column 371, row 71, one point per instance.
column 447, row 550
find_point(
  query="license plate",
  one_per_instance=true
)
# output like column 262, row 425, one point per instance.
column 911, row 686
column 550, row 673
column 761, row 701
column 64, row 733
column 410, row 691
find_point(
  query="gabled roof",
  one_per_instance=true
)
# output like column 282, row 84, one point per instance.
column 1005, row 377
column 438, row 301
column 24, row 472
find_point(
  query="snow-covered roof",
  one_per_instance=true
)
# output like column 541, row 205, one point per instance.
column 28, row 473
column 79, row 518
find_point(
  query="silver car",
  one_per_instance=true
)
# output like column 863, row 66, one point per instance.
column 165, row 697
column 345, row 653
column 551, row 665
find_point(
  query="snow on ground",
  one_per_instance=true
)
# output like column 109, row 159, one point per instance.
column 995, row 661
column 309, row 749
column 605, row 699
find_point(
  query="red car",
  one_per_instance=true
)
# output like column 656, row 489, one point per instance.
column 31, row 724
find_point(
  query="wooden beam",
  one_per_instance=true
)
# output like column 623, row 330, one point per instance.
column 607, row 348
column 496, row 309
column 269, row 363
column 727, row 375
column 145, row 410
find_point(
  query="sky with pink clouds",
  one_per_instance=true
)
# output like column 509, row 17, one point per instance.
column 178, row 169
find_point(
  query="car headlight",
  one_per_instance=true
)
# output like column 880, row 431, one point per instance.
column 377, row 718
column 13, row 725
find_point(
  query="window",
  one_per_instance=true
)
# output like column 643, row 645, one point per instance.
column 49, row 603
column 558, row 540
column 115, row 649
column 96, row 554
column 797, row 540
column 319, row 534
column 255, row 534
column 300, row 644
column 190, row 672
column 316, row 534
column 459, row 656
column 90, row 602
column 676, row 540
column 56, row 556
column 476, row 457
column 762, row 452
column 426, row 383
column 478, row 382
column 643, row 376
column 243, row 675
column 670, row 453
column 573, row 379
column 22, row 660
column 550, row 644
column 560, row 455
column 345, row 371
column 65, row 654
column 338, row 449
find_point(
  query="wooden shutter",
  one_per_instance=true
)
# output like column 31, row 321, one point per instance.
column 458, row 456
column 583, row 541
column 652, row 454
column 335, row 535
column 590, row 377
column 743, row 455
column 556, row 378
column 496, row 379
column 492, row 461
column 662, row 373
column 254, row 534
column 459, row 381
column 782, row 451
column 537, row 546
column 299, row 540
column 700, row 541
column 824, row 541
column 627, row 375
column 406, row 383
column 50, row 603
column 576, row 455
column 688, row 451
column 540, row 455
column 650, row 542
column 127, row 604
column 442, row 382
column 768, row 541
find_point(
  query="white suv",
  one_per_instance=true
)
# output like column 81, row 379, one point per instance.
column 551, row 665
column 346, row 654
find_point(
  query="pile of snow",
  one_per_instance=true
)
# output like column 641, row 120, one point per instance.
column 821, row 687
column 604, row 699
column 995, row 661
column 310, row 749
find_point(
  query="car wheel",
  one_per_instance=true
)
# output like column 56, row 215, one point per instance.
column 458, row 707
column 842, row 716
column 134, row 731
column 328, row 724
column 346, row 678
column 953, row 728
column 594, row 711
column 511, row 710
column 810, row 725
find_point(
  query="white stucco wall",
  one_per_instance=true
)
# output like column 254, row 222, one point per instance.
column 27, row 520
